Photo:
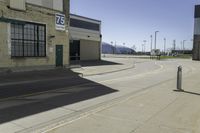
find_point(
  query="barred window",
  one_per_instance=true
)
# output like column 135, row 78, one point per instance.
column 28, row 40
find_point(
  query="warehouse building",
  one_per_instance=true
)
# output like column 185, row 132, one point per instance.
column 34, row 33
column 85, row 38
column 196, row 45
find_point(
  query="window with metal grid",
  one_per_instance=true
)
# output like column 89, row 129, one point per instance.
column 28, row 40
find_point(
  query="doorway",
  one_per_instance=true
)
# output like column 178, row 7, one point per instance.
column 75, row 50
column 59, row 55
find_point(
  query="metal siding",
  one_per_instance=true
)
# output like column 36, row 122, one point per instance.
column 197, row 11
column 197, row 26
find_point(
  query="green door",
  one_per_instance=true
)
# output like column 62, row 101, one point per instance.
column 59, row 55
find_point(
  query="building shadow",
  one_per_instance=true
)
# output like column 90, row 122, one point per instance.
column 94, row 63
column 47, row 95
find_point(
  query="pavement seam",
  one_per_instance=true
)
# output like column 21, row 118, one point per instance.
column 18, row 125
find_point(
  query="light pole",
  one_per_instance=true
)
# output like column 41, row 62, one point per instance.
column 144, row 45
column 124, row 48
column 164, row 45
column 174, row 44
column 155, row 38
column 113, row 49
column 151, row 41
column 184, row 46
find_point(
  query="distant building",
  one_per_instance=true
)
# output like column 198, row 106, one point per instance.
column 196, row 45
column 85, row 38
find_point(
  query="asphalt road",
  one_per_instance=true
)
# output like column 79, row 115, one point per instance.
column 74, row 94
column 129, row 114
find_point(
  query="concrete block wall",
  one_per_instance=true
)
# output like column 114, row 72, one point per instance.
column 38, row 15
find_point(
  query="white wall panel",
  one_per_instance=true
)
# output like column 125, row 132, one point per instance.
column 77, row 34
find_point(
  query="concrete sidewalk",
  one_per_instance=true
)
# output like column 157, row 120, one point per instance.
column 120, row 65
column 156, row 110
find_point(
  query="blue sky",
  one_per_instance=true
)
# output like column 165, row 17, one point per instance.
column 132, row 21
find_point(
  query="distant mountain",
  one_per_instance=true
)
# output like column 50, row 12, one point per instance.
column 109, row 49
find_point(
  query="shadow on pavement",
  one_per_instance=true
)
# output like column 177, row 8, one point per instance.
column 188, row 92
column 193, row 93
column 35, row 75
column 94, row 63
column 61, row 92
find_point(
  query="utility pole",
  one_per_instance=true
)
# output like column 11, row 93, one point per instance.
column 155, row 38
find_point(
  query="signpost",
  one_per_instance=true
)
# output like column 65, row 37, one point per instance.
column 60, row 21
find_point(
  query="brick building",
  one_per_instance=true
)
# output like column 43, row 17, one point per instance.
column 34, row 33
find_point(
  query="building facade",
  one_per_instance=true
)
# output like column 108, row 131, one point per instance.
column 85, row 38
column 196, row 45
column 34, row 33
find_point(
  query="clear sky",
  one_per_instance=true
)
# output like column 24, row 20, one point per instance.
column 132, row 21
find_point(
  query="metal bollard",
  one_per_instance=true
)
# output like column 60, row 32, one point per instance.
column 179, row 79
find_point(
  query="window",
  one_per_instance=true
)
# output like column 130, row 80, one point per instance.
column 84, row 24
column 28, row 40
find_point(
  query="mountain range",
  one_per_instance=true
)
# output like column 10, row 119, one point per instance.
column 118, row 49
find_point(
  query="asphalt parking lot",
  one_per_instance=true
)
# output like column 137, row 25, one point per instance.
column 136, row 97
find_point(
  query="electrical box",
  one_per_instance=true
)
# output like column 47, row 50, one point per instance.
column 18, row 4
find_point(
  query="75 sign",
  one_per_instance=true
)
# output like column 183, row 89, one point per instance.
column 60, row 21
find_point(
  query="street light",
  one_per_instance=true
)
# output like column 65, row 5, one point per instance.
column 144, row 44
column 113, row 49
column 184, row 44
column 155, row 38
column 151, row 41
column 164, row 45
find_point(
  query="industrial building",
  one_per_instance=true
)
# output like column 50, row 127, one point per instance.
column 34, row 33
column 42, row 33
column 196, row 45
column 85, row 38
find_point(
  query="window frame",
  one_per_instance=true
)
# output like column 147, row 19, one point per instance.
column 36, row 42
